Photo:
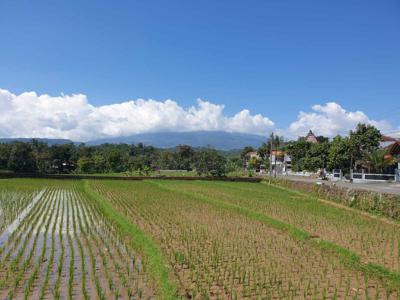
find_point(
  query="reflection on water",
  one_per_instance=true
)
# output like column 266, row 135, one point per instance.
column 14, row 225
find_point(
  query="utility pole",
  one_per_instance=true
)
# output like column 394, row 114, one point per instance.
column 351, row 168
column 276, row 154
column 270, row 154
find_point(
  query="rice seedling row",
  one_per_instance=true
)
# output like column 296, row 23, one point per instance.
column 138, row 240
column 13, row 201
column 217, row 254
column 375, row 241
column 65, row 248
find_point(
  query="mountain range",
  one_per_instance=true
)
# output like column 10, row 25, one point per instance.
column 50, row 142
column 220, row 140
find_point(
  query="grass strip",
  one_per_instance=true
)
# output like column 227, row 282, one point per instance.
column 349, row 258
column 157, row 267
column 332, row 203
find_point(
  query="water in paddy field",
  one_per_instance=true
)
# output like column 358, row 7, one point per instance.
column 14, row 225
column 61, row 245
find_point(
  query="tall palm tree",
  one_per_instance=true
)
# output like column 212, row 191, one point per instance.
column 377, row 161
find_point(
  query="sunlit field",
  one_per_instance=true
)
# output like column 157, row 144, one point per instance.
column 164, row 239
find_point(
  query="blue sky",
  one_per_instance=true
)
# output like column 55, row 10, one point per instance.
column 274, row 58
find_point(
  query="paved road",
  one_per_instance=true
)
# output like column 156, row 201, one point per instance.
column 390, row 188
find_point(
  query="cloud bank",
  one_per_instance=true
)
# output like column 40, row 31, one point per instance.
column 330, row 120
column 73, row 117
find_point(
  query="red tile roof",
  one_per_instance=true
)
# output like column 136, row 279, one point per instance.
column 386, row 138
column 394, row 149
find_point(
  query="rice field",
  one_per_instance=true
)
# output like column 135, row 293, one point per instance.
column 65, row 248
column 159, row 239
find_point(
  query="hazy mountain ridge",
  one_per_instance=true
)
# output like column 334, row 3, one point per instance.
column 215, row 139
column 44, row 140
column 220, row 140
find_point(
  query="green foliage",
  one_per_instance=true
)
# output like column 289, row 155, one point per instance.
column 298, row 151
column 339, row 153
column 308, row 156
column 254, row 163
column 4, row 156
column 86, row 165
column 210, row 162
column 183, row 157
column 377, row 162
column 363, row 140
column 37, row 156
column 233, row 164
column 21, row 158
column 245, row 151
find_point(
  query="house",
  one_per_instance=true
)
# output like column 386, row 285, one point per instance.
column 392, row 145
column 252, row 154
column 278, row 159
column 394, row 152
column 311, row 138
column 386, row 141
column 251, row 157
column 281, row 161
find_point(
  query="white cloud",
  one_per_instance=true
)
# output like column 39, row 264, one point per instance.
column 73, row 117
column 331, row 119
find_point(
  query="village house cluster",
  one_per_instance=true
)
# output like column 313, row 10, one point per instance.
column 280, row 161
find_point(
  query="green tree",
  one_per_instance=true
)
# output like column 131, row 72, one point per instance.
column 210, row 162
column 264, row 150
column 166, row 161
column 183, row 157
column 339, row 153
column 115, row 161
column 63, row 156
column 86, row 165
column 5, row 150
column 298, row 151
column 100, row 164
column 245, row 151
column 233, row 164
column 22, row 158
column 254, row 163
column 317, row 156
column 363, row 141
column 377, row 161
column 42, row 156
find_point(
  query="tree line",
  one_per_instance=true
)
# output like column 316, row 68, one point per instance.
column 38, row 157
column 359, row 149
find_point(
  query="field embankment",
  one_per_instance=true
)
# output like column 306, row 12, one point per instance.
column 127, row 178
